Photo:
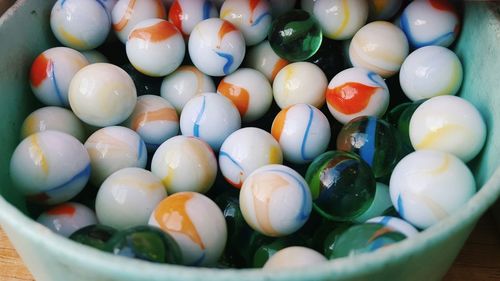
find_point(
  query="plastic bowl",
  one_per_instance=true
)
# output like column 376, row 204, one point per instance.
column 25, row 33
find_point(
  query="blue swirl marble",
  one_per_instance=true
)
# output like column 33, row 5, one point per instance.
column 405, row 26
column 306, row 134
column 260, row 18
column 196, row 127
column 229, row 61
column 55, row 85
column 367, row 151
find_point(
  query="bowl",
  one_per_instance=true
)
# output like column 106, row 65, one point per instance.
column 25, row 33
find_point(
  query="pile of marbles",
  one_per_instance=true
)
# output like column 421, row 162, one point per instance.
column 247, row 133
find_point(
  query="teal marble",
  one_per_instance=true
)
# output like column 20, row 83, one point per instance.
column 96, row 236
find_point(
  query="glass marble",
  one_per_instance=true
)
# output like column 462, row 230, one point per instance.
column 51, row 73
column 379, row 46
column 448, row 123
column 50, row 167
column 81, row 25
column 364, row 238
column 95, row 235
column 216, row 47
column 183, row 84
column 196, row 224
column 250, row 92
column 67, row 218
column 112, row 149
column 145, row 243
column 431, row 71
column 374, row 140
column 426, row 186
column 381, row 204
column 154, row 119
column 396, row 224
column 53, row 118
column 155, row 47
column 275, row 200
column 356, row 92
column 430, row 22
column 112, row 88
column 294, row 257
column 186, row 14
column 127, row 197
column 340, row 19
column 262, row 58
column 300, row 82
column 251, row 17
column 246, row 150
column 210, row 117
column 303, row 132
column 185, row 164
column 342, row 185
column 127, row 13
column 295, row 35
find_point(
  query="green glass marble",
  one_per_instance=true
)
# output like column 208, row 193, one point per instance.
column 295, row 36
column 399, row 117
column 364, row 238
column 146, row 243
column 342, row 185
column 374, row 140
column 95, row 235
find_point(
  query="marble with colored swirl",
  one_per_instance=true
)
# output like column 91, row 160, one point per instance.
column 431, row 71
column 374, row 140
column 246, row 150
column 81, row 25
column 300, row 82
column 448, row 123
column 303, row 132
column 250, row 92
column 275, row 200
column 112, row 149
column 127, row 197
column 195, row 223
column 109, row 101
column 340, row 19
column 155, row 47
column 357, row 92
column 186, row 14
column 342, row 185
column 379, row 46
column 252, row 17
column 185, row 164
column 155, row 120
column 127, row 13
column 66, row 218
column 50, row 167
column 210, row 117
column 430, row 22
column 427, row 186
column 216, row 47
column 51, row 73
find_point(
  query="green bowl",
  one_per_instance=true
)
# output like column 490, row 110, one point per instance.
column 25, row 32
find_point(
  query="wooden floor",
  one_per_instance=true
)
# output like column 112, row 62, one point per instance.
column 478, row 261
